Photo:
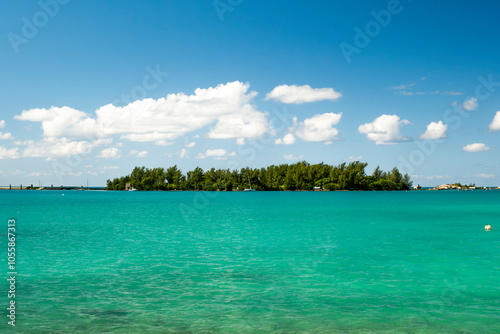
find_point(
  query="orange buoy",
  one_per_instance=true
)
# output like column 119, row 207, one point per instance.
column 487, row 228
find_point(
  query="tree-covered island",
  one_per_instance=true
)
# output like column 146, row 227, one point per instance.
column 298, row 176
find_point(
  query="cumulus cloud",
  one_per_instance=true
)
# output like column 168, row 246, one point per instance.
column 55, row 147
column 192, row 144
column 495, row 124
column 2, row 124
column 139, row 154
column 288, row 139
column 435, row 131
column 163, row 143
column 292, row 157
column 218, row 154
column 302, row 94
column 23, row 142
column 384, row 130
column 110, row 153
column 318, row 128
column 227, row 107
column 476, row 147
column 251, row 124
column 470, row 104
column 215, row 153
column 7, row 135
column 6, row 153
column 62, row 122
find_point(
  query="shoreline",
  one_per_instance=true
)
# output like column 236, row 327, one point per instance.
column 72, row 188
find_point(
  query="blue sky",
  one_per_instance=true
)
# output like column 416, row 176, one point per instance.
column 90, row 89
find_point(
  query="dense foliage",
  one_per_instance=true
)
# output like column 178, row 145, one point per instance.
column 299, row 176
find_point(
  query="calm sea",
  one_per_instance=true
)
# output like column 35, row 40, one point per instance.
column 262, row 262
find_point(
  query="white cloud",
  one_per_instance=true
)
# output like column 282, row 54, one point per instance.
column 164, row 143
column 302, row 94
column 228, row 106
column 218, row 154
column 104, row 168
column 62, row 122
column 140, row 154
column 485, row 176
column 495, row 124
column 2, row 124
column 435, row 131
column 288, row 139
column 404, row 86
column 384, row 130
column 318, row 128
column 7, row 135
column 353, row 158
column 183, row 153
column 110, row 153
column 147, row 137
column 54, row 147
column 240, row 141
column 476, row 147
column 23, row 142
column 404, row 92
column 292, row 157
column 470, row 104
column 192, row 144
column 248, row 124
column 446, row 93
column 6, row 153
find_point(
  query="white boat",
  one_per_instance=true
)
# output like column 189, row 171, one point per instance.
column 132, row 189
column 249, row 189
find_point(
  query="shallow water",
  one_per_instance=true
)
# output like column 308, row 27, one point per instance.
column 263, row 262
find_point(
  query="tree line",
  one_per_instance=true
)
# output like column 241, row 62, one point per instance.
column 298, row 176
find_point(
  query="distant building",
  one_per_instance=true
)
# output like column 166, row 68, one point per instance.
column 418, row 187
column 127, row 186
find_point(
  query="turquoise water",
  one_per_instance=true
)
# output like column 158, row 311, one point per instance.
column 263, row 262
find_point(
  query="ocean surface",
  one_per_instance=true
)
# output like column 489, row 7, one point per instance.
column 262, row 262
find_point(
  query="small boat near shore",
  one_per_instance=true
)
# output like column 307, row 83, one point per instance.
column 250, row 184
